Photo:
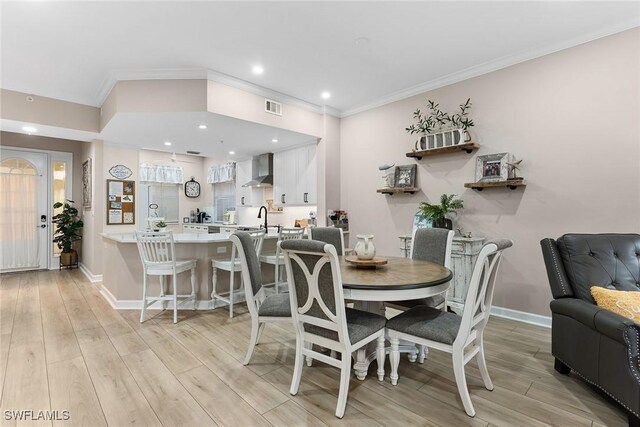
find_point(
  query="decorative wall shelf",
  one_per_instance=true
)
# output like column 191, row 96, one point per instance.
column 393, row 190
column 468, row 147
column 511, row 183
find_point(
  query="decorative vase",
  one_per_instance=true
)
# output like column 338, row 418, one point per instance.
column 387, row 178
column 421, row 144
column 445, row 223
column 364, row 248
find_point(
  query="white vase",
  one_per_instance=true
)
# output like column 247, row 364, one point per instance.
column 364, row 248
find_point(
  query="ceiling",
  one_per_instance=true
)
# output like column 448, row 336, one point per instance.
column 223, row 134
column 360, row 52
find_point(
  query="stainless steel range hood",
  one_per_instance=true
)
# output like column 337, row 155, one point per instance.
column 262, row 170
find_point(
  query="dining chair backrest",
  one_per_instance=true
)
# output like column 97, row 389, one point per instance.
column 156, row 248
column 432, row 244
column 244, row 244
column 331, row 235
column 315, row 288
column 477, row 305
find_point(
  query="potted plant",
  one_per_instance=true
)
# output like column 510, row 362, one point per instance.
column 455, row 125
column 449, row 204
column 162, row 226
column 67, row 231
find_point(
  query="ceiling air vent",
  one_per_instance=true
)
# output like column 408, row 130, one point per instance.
column 193, row 152
column 272, row 107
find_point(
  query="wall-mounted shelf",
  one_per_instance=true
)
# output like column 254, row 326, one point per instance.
column 511, row 183
column 467, row 147
column 393, row 190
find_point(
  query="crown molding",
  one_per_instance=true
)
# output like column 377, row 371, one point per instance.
column 215, row 76
column 490, row 66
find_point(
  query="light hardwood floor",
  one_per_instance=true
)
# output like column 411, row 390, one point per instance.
column 62, row 347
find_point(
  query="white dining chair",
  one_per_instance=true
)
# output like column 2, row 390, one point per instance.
column 462, row 336
column 232, row 266
column 262, row 308
column 434, row 245
column 276, row 259
column 331, row 235
column 157, row 252
column 320, row 316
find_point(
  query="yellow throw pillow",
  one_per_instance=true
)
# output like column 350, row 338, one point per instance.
column 624, row 303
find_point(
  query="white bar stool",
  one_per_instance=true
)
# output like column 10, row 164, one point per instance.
column 277, row 259
column 232, row 266
column 157, row 253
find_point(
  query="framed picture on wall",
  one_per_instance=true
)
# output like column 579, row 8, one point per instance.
column 405, row 176
column 493, row 167
column 86, row 184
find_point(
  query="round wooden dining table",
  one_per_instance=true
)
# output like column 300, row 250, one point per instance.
column 400, row 279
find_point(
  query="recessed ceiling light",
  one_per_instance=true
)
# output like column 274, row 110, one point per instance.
column 30, row 129
column 167, row 143
column 325, row 95
column 202, row 126
column 257, row 69
column 274, row 140
column 232, row 152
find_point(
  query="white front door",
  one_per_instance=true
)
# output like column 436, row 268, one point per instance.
column 24, row 206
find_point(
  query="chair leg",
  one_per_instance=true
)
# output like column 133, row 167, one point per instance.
column 255, row 328
column 144, row 296
column 163, row 292
column 394, row 358
column 380, row 353
column 260, row 330
column 461, row 382
column 297, row 367
column 276, row 273
column 308, row 346
column 175, row 297
column 482, row 365
column 193, row 288
column 231, row 285
column 561, row 367
column 214, row 282
column 345, row 375
column 424, row 350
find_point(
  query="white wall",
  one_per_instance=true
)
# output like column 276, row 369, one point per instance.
column 573, row 117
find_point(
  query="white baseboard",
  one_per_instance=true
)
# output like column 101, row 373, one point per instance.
column 93, row 278
column 522, row 316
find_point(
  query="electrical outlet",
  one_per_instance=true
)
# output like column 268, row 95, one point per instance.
column 222, row 250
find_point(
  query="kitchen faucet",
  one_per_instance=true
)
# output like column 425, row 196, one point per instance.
column 265, row 216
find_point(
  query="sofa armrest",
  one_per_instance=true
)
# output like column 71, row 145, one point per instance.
column 558, row 280
column 582, row 311
column 615, row 326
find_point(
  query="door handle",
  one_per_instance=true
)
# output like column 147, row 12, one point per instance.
column 306, row 197
column 282, row 198
column 242, row 201
column 42, row 226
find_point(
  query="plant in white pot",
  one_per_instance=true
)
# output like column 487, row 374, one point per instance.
column 162, row 226
column 67, row 231
column 449, row 204
column 439, row 128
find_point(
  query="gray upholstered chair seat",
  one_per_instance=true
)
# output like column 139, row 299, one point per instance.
column 427, row 322
column 433, row 301
column 360, row 324
column 275, row 306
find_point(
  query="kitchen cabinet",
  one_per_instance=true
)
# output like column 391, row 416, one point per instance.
column 247, row 196
column 295, row 177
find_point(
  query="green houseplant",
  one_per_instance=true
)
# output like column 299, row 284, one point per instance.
column 161, row 226
column 449, row 204
column 67, row 231
column 438, row 120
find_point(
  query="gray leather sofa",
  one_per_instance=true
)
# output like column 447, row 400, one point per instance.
column 600, row 346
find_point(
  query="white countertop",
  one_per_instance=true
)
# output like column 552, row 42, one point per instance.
column 180, row 237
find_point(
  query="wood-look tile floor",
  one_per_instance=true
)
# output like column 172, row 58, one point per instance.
column 62, row 347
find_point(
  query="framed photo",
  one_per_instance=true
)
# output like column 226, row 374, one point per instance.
column 493, row 167
column 405, row 176
column 86, row 184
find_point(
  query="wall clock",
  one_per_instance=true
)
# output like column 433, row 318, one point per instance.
column 192, row 188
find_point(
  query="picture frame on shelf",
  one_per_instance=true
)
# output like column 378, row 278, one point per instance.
column 493, row 167
column 405, row 176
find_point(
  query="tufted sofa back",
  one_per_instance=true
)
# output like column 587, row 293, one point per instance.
column 608, row 260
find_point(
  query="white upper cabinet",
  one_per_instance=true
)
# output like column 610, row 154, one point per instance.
column 295, row 177
column 247, row 196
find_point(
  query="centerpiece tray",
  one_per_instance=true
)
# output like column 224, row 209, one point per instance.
column 365, row 263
